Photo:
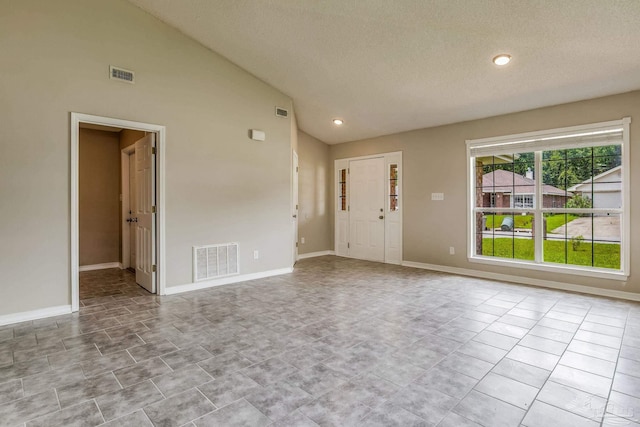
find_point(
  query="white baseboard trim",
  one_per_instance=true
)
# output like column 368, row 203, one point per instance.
column 315, row 254
column 100, row 266
column 26, row 316
column 171, row 290
column 611, row 293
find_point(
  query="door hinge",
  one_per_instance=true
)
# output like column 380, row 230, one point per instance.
column 296, row 206
column 297, row 168
column 348, row 208
column 296, row 244
column 153, row 268
column 153, row 150
column 348, row 172
column 153, row 209
column 348, row 245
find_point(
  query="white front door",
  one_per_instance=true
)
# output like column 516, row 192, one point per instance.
column 366, row 219
column 145, row 227
column 295, row 206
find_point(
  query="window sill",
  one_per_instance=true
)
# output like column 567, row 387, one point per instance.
column 560, row 268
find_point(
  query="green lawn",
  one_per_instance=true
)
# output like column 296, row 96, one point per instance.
column 524, row 221
column 605, row 255
column 555, row 221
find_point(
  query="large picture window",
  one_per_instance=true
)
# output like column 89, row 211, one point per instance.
column 552, row 200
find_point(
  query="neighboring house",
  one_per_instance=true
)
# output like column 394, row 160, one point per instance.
column 605, row 190
column 504, row 189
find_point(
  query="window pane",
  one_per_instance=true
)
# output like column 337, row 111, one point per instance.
column 342, row 182
column 556, row 179
column 393, row 187
column 587, row 239
column 507, row 235
column 506, row 182
column 583, row 178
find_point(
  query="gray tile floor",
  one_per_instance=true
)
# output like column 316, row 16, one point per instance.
column 338, row 342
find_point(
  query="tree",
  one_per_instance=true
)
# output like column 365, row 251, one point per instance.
column 578, row 201
column 564, row 168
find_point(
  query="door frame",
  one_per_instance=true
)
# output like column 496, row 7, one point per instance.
column 76, row 119
column 391, row 255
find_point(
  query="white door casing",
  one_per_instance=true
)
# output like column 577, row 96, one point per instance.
column 294, row 190
column 144, row 208
column 76, row 119
column 366, row 209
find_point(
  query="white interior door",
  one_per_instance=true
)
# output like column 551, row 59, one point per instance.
column 295, row 205
column 132, row 209
column 366, row 215
column 145, row 212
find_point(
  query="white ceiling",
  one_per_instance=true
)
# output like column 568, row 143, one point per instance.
column 387, row 66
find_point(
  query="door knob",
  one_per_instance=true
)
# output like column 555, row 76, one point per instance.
column 295, row 216
column 381, row 217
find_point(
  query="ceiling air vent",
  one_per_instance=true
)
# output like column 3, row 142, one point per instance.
column 116, row 73
column 282, row 112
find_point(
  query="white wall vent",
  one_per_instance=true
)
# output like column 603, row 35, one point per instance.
column 213, row 261
column 282, row 112
column 117, row 73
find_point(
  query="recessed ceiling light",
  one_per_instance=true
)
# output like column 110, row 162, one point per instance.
column 502, row 59
column 337, row 122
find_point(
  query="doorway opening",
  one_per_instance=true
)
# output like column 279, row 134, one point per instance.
column 140, row 198
column 368, row 214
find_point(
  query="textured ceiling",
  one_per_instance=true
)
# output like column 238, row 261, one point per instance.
column 387, row 66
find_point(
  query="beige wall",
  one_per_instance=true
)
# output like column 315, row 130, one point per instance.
column 434, row 160
column 220, row 186
column 314, row 182
column 99, row 197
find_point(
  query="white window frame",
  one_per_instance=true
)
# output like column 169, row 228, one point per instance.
column 542, row 141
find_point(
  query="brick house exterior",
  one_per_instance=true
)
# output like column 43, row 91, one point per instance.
column 505, row 189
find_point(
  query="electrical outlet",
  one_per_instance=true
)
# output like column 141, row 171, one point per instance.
column 256, row 254
column 437, row 196
column 452, row 250
column 302, row 240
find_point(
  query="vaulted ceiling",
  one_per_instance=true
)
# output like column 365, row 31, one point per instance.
column 386, row 66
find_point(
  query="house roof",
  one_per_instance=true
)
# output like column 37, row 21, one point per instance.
column 598, row 178
column 502, row 181
column 392, row 66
